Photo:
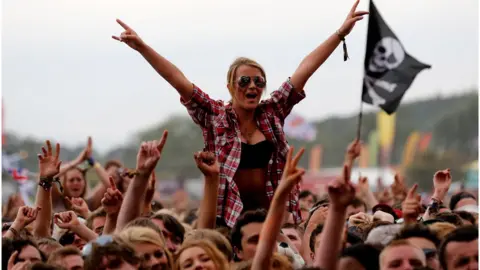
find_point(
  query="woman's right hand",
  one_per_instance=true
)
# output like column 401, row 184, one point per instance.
column 129, row 37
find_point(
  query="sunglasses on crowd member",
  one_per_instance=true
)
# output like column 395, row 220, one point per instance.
column 259, row 82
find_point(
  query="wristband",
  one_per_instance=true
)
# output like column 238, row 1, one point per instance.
column 46, row 183
column 91, row 161
column 15, row 232
column 342, row 38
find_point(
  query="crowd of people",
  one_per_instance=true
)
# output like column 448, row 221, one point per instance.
column 122, row 224
column 253, row 214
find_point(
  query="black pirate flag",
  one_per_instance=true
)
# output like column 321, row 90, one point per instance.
column 389, row 69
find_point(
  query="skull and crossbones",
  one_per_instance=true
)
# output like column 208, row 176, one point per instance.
column 387, row 55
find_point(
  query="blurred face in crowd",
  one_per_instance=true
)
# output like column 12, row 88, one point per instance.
column 71, row 262
column 78, row 242
column 404, row 257
column 29, row 254
column 172, row 241
column 250, row 236
column 429, row 250
column 350, row 263
column 195, row 258
column 462, row 255
column 97, row 225
column 352, row 210
column 74, row 184
column 112, row 262
column 294, row 236
column 307, row 202
column 153, row 256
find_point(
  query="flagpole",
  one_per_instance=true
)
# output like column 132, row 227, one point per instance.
column 360, row 116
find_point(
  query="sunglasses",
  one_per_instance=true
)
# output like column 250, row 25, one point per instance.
column 259, row 82
column 100, row 241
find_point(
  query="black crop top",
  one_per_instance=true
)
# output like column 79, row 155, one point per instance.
column 255, row 156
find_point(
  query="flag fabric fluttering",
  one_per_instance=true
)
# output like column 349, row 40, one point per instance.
column 298, row 128
column 389, row 69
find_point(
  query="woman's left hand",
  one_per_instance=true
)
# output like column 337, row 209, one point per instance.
column 352, row 18
column 79, row 206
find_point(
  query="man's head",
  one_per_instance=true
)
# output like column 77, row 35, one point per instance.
column 246, row 232
column 449, row 217
column 68, row 257
column 359, row 257
column 401, row 255
column 462, row 199
column 355, row 207
column 26, row 251
column 315, row 239
column 459, row 249
column 107, row 252
column 424, row 238
column 294, row 234
column 96, row 220
column 172, row 230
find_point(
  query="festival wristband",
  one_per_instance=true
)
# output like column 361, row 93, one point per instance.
column 14, row 232
column 91, row 161
column 46, row 183
column 342, row 38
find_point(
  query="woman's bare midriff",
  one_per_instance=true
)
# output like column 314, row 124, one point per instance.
column 251, row 184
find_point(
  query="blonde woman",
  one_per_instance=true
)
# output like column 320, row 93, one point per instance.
column 149, row 246
column 246, row 135
column 200, row 254
column 220, row 241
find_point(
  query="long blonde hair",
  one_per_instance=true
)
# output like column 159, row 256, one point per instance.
column 215, row 255
column 232, row 71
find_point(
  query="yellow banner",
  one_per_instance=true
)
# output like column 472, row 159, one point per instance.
column 386, row 129
column 410, row 148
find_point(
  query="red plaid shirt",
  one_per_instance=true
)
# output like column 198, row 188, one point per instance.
column 221, row 133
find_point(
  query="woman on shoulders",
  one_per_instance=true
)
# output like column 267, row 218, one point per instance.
column 246, row 134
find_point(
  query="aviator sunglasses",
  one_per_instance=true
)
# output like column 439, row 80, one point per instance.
column 259, row 82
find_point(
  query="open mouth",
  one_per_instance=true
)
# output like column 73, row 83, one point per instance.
column 251, row 95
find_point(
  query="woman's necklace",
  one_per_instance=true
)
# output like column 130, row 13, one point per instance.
column 248, row 134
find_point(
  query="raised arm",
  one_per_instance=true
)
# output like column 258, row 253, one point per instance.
column 271, row 228
column 48, row 167
column 111, row 203
column 165, row 68
column 147, row 158
column 208, row 165
column 315, row 59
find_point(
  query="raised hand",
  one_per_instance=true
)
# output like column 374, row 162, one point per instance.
column 353, row 150
column 86, row 152
column 151, row 188
column 207, row 163
column 411, row 207
column 363, row 186
column 66, row 220
column 292, row 175
column 341, row 191
column 112, row 199
column 79, row 206
column 18, row 266
column 442, row 180
column 358, row 219
column 129, row 37
column 149, row 154
column 352, row 17
column 399, row 190
column 26, row 215
column 48, row 163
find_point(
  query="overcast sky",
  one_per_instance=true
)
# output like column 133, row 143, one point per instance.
column 65, row 78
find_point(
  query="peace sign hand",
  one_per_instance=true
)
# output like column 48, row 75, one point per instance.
column 112, row 199
column 352, row 17
column 149, row 155
column 129, row 37
column 48, row 163
column 292, row 175
column 411, row 206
